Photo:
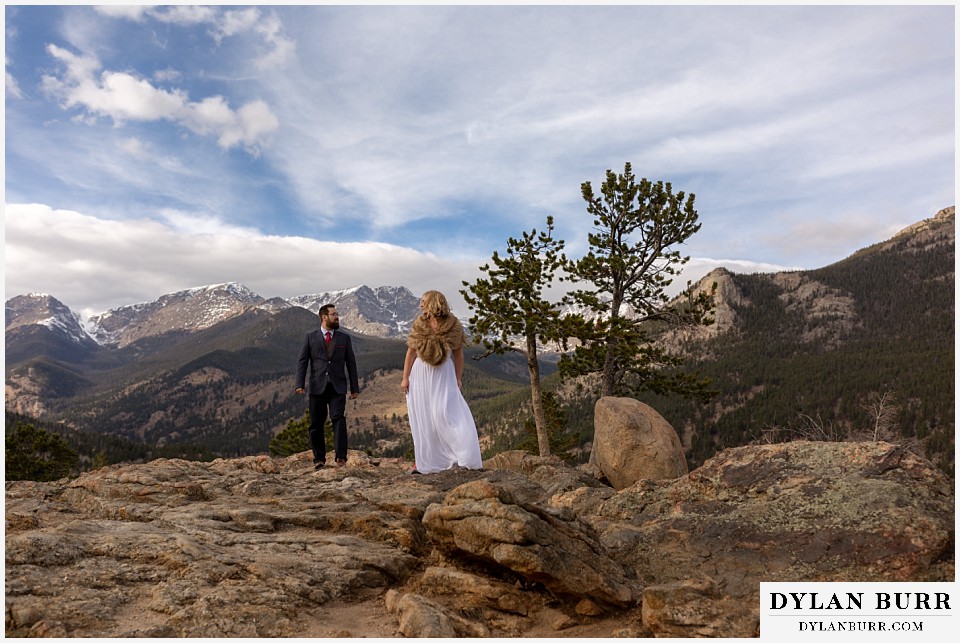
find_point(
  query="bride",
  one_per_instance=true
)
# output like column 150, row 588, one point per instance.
column 444, row 433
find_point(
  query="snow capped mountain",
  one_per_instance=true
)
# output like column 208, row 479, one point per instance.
column 386, row 311
column 274, row 304
column 187, row 310
column 45, row 310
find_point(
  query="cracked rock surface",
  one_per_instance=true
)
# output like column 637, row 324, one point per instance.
column 267, row 547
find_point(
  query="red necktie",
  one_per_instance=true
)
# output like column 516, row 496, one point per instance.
column 328, row 336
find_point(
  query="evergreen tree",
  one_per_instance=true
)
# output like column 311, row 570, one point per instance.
column 98, row 461
column 34, row 454
column 511, row 313
column 631, row 261
column 296, row 437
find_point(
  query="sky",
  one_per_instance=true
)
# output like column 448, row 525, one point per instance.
column 304, row 149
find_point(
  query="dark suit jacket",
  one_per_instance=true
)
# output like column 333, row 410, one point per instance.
column 328, row 366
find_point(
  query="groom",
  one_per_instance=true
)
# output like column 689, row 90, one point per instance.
column 328, row 351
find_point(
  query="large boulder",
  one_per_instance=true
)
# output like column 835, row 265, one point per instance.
column 482, row 520
column 633, row 442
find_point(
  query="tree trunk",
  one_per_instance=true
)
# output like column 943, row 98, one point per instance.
column 608, row 382
column 608, row 376
column 607, row 385
column 536, row 396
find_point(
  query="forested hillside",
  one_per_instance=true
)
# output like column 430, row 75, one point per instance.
column 782, row 372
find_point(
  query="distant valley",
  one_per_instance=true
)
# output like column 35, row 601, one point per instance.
column 209, row 371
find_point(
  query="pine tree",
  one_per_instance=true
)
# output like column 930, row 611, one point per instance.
column 296, row 437
column 511, row 313
column 34, row 454
column 631, row 261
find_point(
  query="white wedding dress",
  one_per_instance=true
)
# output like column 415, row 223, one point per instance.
column 444, row 433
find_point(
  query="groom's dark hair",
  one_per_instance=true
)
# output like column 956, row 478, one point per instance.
column 325, row 309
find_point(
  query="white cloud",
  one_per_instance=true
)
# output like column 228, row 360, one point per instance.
column 10, row 82
column 470, row 124
column 129, row 12
column 699, row 267
column 185, row 14
column 117, row 263
column 122, row 97
column 878, row 158
column 835, row 237
column 134, row 147
column 224, row 23
column 94, row 264
column 167, row 75
column 234, row 22
column 11, row 86
column 190, row 224
column 279, row 48
column 176, row 14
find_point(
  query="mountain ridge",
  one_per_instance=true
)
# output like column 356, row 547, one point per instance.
column 382, row 311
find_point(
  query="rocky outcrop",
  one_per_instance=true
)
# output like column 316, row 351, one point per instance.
column 633, row 442
column 230, row 548
column 726, row 297
column 483, row 520
column 690, row 341
column 817, row 511
column 938, row 230
column 828, row 315
column 260, row 546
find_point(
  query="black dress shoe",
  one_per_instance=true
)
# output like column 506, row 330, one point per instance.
column 317, row 466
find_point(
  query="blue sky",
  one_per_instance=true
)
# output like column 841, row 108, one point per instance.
column 304, row 149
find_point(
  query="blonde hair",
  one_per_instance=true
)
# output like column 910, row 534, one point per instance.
column 435, row 304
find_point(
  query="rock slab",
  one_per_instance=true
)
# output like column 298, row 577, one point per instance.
column 267, row 547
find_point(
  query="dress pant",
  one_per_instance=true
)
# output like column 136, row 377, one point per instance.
column 337, row 404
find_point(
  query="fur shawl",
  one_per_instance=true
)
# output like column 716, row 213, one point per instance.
column 433, row 346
